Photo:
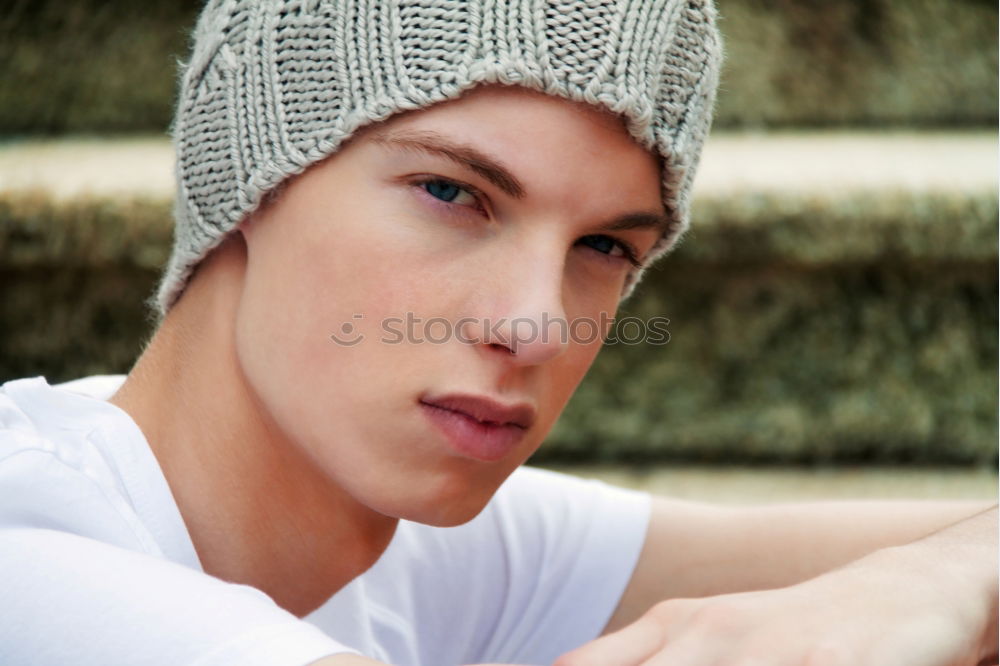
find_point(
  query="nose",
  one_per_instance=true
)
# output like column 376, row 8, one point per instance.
column 521, row 315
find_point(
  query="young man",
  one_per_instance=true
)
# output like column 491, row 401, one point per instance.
column 274, row 455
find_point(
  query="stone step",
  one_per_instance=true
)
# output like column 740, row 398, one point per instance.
column 809, row 199
column 731, row 484
column 827, row 163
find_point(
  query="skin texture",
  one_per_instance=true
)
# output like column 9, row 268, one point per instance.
column 296, row 456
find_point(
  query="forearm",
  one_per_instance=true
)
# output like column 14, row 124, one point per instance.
column 786, row 544
column 763, row 547
column 696, row 550
column 930, row 602
column 958, row 562
column 966, row 555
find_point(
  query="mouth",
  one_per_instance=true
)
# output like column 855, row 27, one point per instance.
column 478, row 427
column 487, row 411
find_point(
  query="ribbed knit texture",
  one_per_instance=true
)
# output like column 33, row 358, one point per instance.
column 275, row 86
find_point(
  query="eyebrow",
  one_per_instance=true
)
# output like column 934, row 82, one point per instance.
column 492, row 169
column 487, row 166
column 660, row 222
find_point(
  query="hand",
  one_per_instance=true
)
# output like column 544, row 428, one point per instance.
column 883, row 610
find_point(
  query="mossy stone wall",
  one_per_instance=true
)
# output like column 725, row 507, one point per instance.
column 110, row 65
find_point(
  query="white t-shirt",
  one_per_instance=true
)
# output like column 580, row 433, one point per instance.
column 97, row 567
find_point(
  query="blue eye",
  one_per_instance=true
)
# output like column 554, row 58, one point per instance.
column 442, row 190
column 604, row 244
column 443, row 196
column 450, row 192
column 607, row 245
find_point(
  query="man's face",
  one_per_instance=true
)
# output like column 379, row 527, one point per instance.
column 422, row 261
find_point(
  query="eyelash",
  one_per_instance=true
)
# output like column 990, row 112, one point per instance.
column 630, row 254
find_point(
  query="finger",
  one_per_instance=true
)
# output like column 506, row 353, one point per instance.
column 629, row 646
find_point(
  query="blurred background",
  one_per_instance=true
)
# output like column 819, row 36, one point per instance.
column 833, row 311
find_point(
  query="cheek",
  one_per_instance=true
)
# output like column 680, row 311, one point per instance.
column 310, row 277
column 315, row 271
column 566, row 373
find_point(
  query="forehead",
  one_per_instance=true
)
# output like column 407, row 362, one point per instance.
column 486, row 111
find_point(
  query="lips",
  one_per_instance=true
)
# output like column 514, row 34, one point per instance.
column 485, row 410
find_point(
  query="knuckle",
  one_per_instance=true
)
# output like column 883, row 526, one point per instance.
column 718, row 616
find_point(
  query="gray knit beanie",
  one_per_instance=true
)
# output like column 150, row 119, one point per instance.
column 274, row 86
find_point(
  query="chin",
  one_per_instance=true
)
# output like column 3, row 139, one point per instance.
column 455, row 505
column 447, row 518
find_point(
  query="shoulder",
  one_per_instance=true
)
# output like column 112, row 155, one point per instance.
column 72, row 599
column 85, row 579
column 53, row 475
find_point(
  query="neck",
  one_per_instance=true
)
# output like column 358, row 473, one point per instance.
column 259, row 512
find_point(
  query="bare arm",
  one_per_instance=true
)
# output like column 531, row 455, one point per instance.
column 932, row 602
column 696, row 550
